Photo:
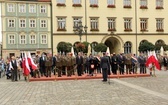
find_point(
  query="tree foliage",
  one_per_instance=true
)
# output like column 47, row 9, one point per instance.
column 146, row 46
column 101, row 47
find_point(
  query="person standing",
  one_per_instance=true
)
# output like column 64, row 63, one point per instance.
column 42, row 64
column 114, row 64
column 105, row 65
column 79, row 63
column 13, row 67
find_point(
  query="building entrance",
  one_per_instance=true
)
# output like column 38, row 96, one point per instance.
column 113, row 44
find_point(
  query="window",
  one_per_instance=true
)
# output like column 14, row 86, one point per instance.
column 75, row 21
column 11, row 8
column 61, row 24
column 111, row 3
column 60, row 2
column 22, row 8
column 127, row 47
column 11, row 23
column 43, row 39
column 93, row 3
column 127, row 24
column 94, row 24
column 32, row 39
column 22, row 39
column 159, row 25
column 143, row 4
column 111, row 24
column 11, row 39
column 32, row 23
column 143, row 24
column 42, row 9
column 43, row 24
column 22, row 23
column 32, row 8
column 159, row 4
column 127, row 3
column 77, row 3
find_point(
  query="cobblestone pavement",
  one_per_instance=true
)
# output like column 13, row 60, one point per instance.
column 125, row 91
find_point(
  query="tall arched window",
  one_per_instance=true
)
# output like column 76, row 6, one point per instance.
column 127, row 47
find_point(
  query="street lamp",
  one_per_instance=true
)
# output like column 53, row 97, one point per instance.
column 79, row 29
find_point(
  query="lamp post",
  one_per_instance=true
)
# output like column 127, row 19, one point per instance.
column 80, row 30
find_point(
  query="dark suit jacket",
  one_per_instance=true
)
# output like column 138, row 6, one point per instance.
column 104, row 63
column 79, row 61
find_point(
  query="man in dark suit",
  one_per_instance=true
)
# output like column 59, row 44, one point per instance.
column 105, row 65
column 13, row 67
column 79, row 63
column 42, row 64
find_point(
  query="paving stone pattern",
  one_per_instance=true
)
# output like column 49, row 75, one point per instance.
column 125, row 91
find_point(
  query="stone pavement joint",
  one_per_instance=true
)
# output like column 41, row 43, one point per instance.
column 142, row 89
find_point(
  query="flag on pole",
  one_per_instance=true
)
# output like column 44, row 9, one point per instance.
column 31, row 62
column 25, row 65
column 152, row 59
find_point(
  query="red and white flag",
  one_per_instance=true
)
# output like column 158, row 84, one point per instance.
column 25, row 64
column 31, row 62
column 152, row 59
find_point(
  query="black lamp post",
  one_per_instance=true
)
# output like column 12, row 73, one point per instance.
column 80, row 30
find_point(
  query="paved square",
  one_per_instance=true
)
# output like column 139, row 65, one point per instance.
column 124, row 91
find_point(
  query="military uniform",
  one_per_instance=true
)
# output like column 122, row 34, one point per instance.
column 69, row 65
column 48, row 65
column 36, row 72
column 128, row 63
column 59, row 65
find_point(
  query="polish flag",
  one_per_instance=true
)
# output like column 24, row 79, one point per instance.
column 25, row 65
column 152, row 59
column 31, row 62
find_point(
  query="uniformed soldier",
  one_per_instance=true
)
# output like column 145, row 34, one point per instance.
column 36, row 72
column 48, row 65
column 64, row 64
column 128, row 63
column 69, row 64
column 59, row 65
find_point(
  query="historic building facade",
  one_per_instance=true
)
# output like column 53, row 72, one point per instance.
column 121, row 24
column 26, row 26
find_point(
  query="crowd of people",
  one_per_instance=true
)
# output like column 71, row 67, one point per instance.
column 61, row 64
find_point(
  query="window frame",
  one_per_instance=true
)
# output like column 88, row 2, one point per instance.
column 144, row 22
column 24, row 40
column 159, row 24
column 21, row 24
column 111, row 3
column 31, row 39
column 159, row 4
column 31, row 24
column 111, row 21
column 94, row 3
column 127, row 3
column 11, row 23
column 127, row 24
column 143, row 4
column 32, row 10
column 43, row 39
column 22, row 9
column 61, row 23
column 43, row 9
column 11, row 9
column 9, row 39
column 43, row 23
column 94, row 24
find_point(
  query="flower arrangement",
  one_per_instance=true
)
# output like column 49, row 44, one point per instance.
column 61, row 4
column 77, row 5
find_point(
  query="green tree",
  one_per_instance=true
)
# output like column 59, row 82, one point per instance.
column 85, row 50
column 146, row 46
column 101, row 47
column 64, row 47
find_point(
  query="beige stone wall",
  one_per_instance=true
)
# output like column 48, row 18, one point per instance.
column 120, row 13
